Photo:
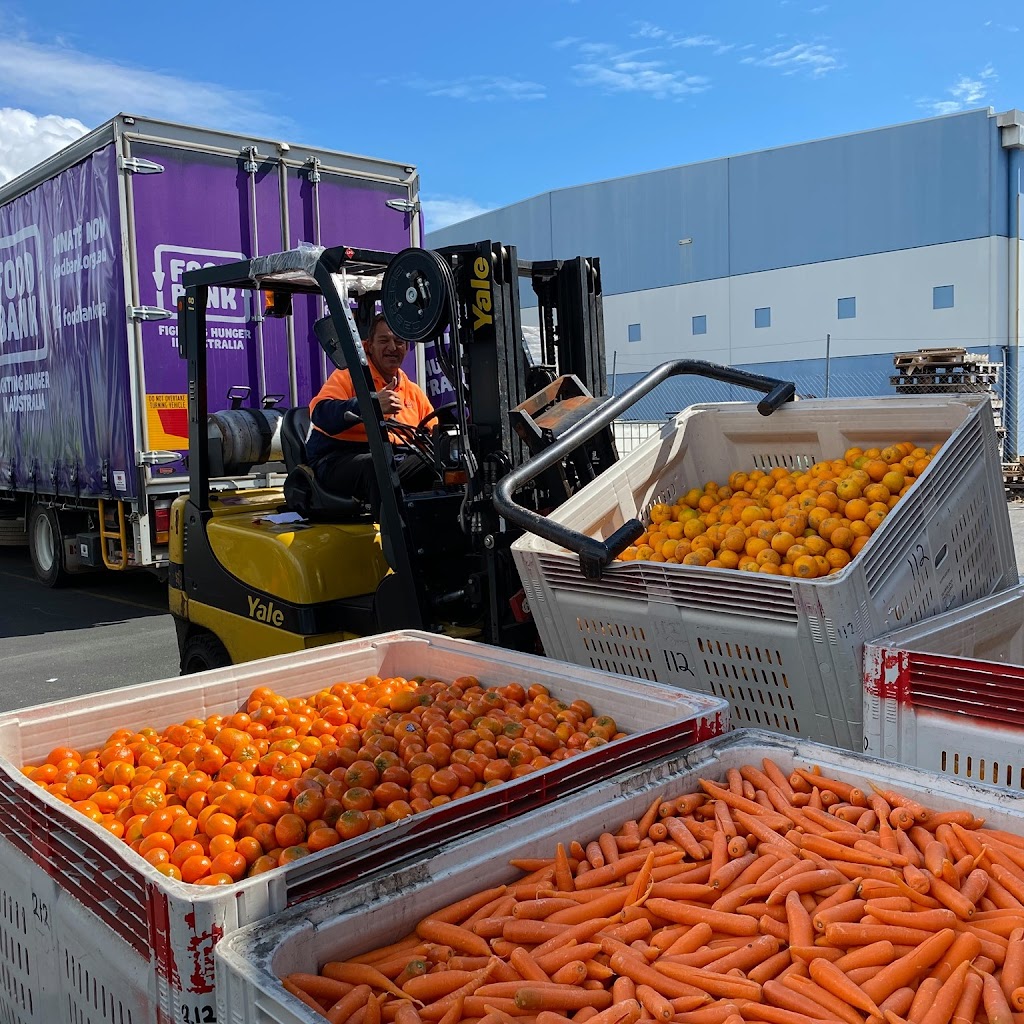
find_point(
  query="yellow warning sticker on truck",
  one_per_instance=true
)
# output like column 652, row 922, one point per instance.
column 167, row 421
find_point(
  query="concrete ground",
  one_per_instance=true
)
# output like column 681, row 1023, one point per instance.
column 110, row 631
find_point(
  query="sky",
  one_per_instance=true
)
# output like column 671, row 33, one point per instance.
column 495, row 103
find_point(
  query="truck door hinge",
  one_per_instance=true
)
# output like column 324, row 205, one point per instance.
column 403, row 205
column 149, row 313
column 314, row 170
column 136, row 165
column 156, row 458
column 251, row 157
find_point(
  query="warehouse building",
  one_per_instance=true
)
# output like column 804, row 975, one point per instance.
column 816, row 262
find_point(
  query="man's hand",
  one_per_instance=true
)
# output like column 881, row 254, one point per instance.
column 389, row 400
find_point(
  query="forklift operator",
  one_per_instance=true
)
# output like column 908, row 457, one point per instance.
column 337, row 448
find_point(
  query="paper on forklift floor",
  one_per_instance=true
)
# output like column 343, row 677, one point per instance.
column 388, row 906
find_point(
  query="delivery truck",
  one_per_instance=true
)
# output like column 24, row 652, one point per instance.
column 94, row 242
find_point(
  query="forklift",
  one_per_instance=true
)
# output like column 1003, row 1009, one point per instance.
column 267, row 571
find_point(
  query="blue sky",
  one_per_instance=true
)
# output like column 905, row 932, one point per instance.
column 497, row 102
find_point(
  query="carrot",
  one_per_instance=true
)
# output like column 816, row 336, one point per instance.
column 406, row 1013
column 609, row 847
column 899, row 1003
column 346, row 1005
column 749, row 955
column 950, row 897
column 810, row 990
column 458, row 912
column 841, row 789
column 1012, row 976
column 997, row 1009
column 606, row 903
column 931, row 919
column 850, row 911
column 618, row 1013
column 563, row 871
column 363, row 974
column 833, row 980
column 531, row 932
column 907, row 968
column 805, row 882
column 722, row 985
column 290, row 985
column 970, row 998
column 842, row 933
column 729, row 924
column 649, row 817
column 876, row 954
column 946, row 999
column 436, row 930
column 528, row 968
column 655, row 1003
column 692, row 939
column 966, row 946
column 560, row 997
column 632, row 966
column 611, row 872
column 430, row 987
column 1017, row 999
column 923, row 998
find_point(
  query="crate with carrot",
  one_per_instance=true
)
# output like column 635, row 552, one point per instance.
column 749, row 880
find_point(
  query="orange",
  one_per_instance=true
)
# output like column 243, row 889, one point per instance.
column 816, row 545
column 842, row 537
column 194, row 868
column 858, row 545
column 894, row 481
column 755, row 546
column 877, row 492
column 874, row 518
column 782, row 542
column 849, row 488
column 858, row 507
column 805, row 567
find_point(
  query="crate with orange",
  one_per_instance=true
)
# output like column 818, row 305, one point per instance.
column 775, row 546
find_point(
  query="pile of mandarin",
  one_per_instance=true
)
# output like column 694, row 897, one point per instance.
column 805, row 523
column 211, row 801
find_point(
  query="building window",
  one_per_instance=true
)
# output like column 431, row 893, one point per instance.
column 942, row 296
column 634, row 332
column 699, row 324
column 763, row 317
column 847, row 309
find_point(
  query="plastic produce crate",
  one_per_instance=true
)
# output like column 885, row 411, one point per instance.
column 786, row 653
column 947, row 694
column 383, row 910
column 91, row 932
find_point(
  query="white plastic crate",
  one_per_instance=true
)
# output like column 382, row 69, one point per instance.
column 91, row 932
column 785, row 653
column 947, row 694
column 384, row 909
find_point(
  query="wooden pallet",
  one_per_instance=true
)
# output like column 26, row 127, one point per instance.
column 939, row 357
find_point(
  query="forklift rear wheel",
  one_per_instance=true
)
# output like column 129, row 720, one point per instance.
column 202, row 651
column 44, row 546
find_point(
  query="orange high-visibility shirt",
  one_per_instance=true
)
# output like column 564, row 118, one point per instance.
column 415, row 404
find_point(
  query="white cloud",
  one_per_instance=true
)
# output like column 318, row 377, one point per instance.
column 26, row 139
column 483, row 88
column 965, row 92
column 94, row 89
column 439, row 210
column 647, row 30
column 814, row 59
column 640, row 77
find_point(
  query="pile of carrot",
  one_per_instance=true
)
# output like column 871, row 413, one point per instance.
column 785, row 899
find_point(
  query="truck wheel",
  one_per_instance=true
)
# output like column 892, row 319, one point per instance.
column 202, row 651
column 44, row 546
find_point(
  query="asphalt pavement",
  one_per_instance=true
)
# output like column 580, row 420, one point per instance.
column 105, row 630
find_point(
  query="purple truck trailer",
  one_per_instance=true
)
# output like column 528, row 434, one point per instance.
column 93, row 245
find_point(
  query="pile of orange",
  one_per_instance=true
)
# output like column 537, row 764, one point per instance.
column 803, row 522
column 211, row 801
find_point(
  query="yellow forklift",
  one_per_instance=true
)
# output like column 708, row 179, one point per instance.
column 261, row 572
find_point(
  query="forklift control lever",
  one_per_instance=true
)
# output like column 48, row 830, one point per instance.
column 596, row 554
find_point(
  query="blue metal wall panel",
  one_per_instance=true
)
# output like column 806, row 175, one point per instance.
column 879, row 191
column 925, row 183
column 635, row 225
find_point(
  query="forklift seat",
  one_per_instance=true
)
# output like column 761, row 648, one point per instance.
column 303, row 493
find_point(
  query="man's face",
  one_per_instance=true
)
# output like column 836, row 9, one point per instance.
column 385, row 351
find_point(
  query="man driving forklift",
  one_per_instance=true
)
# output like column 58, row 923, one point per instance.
column 337, row 447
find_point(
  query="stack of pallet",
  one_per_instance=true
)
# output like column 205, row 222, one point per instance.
column 930, row 371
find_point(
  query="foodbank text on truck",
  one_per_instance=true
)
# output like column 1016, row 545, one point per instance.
column 94, row 243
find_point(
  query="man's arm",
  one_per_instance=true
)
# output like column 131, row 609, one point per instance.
column 333, row 415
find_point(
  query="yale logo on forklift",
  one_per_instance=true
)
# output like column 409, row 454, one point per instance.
column 481, row 283
column 265, row 611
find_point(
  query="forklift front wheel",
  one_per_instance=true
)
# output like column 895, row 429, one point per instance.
column 202, row 651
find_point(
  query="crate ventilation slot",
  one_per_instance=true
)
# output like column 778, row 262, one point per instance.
column 753, row 680
column 772, row 460
column 613, row 647
column 94, row 995
column 966, row 766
